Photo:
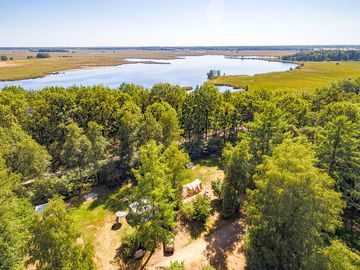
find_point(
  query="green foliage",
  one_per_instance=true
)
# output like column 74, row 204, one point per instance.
column 15, row 217
column 128, row 134
column 130, row 243
column 164, row 92
column 338, row 150
column 42, row 55
column 154, row 194
column 175, row 265
column 77, row 147
column 212, row 73
column 176, row 160
column 324, row 55
column 218, row 188
column 97, row 141
column 22, row 154
column 3, row 58
column 55, row 242
column 268, row 129
column 68, row 185
column 291, row 208
column 337, row 256
column 198, row 210
column 237, row 163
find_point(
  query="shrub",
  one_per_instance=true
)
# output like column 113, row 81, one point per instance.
column 129, row 243
column 42, row 55
column 187, row 210
column 3, row 58
column 197, row 210
column 202, row 208
column 109, row 174
column 68, row 185
column 218, row 188
column 176, row 266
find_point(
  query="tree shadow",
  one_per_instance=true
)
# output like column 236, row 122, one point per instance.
column 194, row 228
column 223, row 240
column 212, row 161
column 131, row 264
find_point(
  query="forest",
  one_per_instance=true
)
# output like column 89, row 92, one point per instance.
column 324, row 55
column 291, row 160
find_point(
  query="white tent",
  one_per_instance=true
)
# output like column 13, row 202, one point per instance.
column 40, row 208
column 140, row 208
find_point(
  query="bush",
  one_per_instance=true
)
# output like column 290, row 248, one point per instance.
column 110, row 174
column 68, row 185
column 218, row 188
column 42, row 55
column 176, row 266
column 187, row 210
column 197, row 210
column 3, row 58
column 202, row 208
column 215, row 146
column 129, row 243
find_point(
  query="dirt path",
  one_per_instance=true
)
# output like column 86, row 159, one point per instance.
column 106, row 243
column 221, row 248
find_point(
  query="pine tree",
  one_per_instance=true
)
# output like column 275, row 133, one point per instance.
column 290, row 211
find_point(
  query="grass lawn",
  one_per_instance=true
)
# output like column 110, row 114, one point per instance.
column 94, row 219
column 311, row 75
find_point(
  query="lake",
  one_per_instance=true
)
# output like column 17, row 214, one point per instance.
column 189, row 71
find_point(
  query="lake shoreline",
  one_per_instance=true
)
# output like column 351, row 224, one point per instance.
column 22, row 68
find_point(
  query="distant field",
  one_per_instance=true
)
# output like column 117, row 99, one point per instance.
column 311, row 75
column 23, row 68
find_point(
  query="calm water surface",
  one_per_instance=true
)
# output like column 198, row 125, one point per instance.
column 189, row 71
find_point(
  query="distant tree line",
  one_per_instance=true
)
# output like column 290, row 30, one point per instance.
column 324, row 55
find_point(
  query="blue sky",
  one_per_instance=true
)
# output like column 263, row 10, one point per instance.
column 178, row 22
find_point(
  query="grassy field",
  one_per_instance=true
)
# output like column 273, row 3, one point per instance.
column 311, row 75
column 23, row 68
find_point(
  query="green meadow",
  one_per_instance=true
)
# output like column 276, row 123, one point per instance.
column 310, row 75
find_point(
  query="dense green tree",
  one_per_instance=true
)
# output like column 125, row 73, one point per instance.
column 174, row 95
column 150, row 129
column 199, row 110
column 176, row 160
column 97, row 141
column 268, row 129
column 22, row 154
column 337, row 256
column 290, row 211
column 228, row 121
column 139, row 95
column 98, row 104
column 170, row 127
column 15, row 217
column 154, row 195
column 51, row 110
column 338, row 146
column 237, row 163
column 130, row 123
column 56, row 244
column 77, row 148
